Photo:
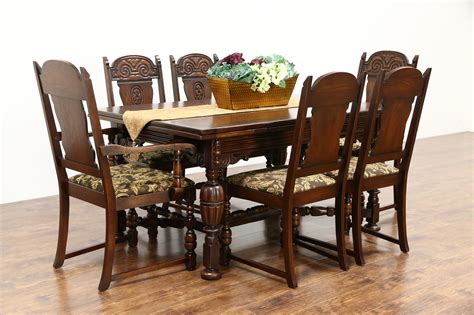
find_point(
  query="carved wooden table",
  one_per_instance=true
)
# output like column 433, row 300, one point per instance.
column 221, row 140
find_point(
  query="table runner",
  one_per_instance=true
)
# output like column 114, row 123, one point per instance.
column 136, row 120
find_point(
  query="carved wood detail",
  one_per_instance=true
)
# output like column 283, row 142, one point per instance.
column 193, row 65
column 133, row 68
column 385, row 60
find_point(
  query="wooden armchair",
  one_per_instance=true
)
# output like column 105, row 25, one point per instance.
column 62, row 90
column 192, row 69
column 396, row 91
column 303, row 181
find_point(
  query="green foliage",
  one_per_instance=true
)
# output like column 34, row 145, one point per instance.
column 261, row 72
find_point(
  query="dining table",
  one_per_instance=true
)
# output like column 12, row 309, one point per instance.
column 221, row 140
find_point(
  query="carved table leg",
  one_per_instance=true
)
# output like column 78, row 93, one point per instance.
column 373, row 207
column 212, row 209
column 132, row 223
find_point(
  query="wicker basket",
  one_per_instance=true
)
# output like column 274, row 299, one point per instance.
column 237, row 95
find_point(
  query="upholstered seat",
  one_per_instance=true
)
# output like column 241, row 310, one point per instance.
column 131, row 180
column 157, row 159
column 272, row 181
column 355, row 146
column 371, row 170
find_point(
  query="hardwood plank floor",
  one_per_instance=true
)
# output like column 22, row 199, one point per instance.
column 435, row 277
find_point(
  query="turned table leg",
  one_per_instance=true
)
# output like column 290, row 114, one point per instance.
column 212, row 209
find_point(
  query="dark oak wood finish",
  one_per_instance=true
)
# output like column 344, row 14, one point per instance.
column 222, row 140
column 192, row 69
column 328, row 98
column 62, row 90
column 134, row 75
column 435, row 278
column 396, row 92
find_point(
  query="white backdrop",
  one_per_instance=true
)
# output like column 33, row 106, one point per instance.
column 317, row 37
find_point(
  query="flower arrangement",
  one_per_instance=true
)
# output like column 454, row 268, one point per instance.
column 260, row 72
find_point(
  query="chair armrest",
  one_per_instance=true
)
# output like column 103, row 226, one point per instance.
column 106, row 131
column 115, row 149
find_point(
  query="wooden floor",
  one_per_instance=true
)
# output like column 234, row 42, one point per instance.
column 435, row 277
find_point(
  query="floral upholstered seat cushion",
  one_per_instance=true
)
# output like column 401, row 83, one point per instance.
column 371, row 170
column 355, row 147
column 156, row 159
column 272, row 180
column 131, row 180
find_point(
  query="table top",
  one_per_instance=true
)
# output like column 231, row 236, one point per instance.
column 210, row 126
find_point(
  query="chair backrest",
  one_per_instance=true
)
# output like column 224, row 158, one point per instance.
column 62, row 90
column 192, row 69
column 396, row 92
column 328, row 98
column 379, row 61
column 134, row 75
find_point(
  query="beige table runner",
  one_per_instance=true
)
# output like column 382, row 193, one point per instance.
column 136, row 120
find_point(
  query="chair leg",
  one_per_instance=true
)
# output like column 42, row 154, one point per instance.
column 401, row 218
column 226, row 236
column 296, row 221
column 152, row 218
column 340, row 233
column 288, row 248
column 374, row 206
column 348, row 211
column 190, row 239
column 356, row 229
column 63, row 229
column 110, row 228
column 121, row 226
column 395, row 187
column 132, row 223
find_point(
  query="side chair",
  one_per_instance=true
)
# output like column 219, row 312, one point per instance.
column 303, row 181
column 373, row 65
column 396, row 92
column 134, row 75
column 63, row 89
column 192, row 69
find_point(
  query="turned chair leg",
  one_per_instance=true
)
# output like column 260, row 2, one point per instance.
column 296, row 221
column 226, row 235
column 373, row 206
column 121, row 226
column 132, row 223
column 348, row 211
column 152, row 218
column 110, row 228
column 340, row 234
column 356, row 229
column 288, row 254
column 401, row 218
column 190, row 242
column 63, row 229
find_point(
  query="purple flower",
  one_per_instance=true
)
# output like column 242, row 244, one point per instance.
column 233, row 59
